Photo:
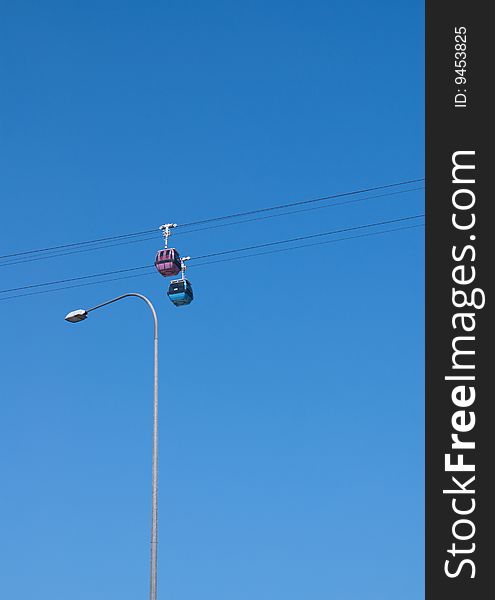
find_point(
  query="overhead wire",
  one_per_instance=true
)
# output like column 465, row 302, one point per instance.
column 255, row 219
column 362, row 235
column 351, row 237
column 209, row 220
column 71, row 252
column 306, row 237
column 280, row 206
column 220, row 253
column 302, row 210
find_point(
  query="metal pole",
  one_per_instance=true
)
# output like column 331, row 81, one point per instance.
column 154, row 476
column 154, row 461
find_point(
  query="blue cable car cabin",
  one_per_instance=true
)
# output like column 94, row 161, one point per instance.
column 180, row 292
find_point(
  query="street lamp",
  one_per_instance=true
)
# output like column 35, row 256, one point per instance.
column 80, row 315
column 77, row 315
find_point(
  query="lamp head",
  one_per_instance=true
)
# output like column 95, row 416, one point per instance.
column 77, row 315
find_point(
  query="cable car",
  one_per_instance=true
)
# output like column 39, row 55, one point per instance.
column 180, row 292
column 167, row 262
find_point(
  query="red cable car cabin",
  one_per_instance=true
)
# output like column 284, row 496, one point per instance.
column 167, row 262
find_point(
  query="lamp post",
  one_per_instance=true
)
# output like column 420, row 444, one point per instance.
column 82, row 314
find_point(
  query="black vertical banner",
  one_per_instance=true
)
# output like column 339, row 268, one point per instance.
column 460, row 422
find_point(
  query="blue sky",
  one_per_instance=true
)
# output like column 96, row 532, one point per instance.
column 291, row 453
